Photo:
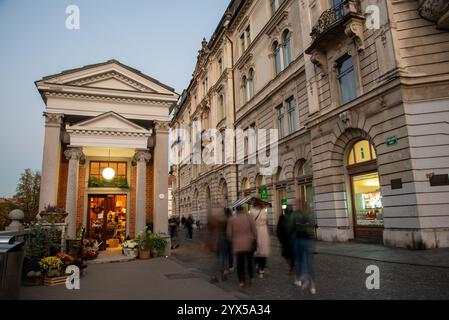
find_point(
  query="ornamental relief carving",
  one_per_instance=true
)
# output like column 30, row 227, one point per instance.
column 141, row 156
column 53, row 118
column 354, row 30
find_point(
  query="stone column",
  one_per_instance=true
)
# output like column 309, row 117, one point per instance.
column 73, row 154
column 161, row 179
column 141, row 158
column 50, row 161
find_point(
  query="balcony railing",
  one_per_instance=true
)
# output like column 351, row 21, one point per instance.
column 330, row 17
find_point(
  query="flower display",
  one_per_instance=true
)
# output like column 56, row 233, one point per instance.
column 65, row 258
column 130, row 244
column 90, row 249
column 51, row 263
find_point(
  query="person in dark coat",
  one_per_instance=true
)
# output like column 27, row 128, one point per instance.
column 283, row 235
column 189, row 226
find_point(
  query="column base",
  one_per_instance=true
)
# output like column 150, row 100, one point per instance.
column 417, row 239
column 332, row 234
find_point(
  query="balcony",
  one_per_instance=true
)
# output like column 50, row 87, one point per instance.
column 343, row 19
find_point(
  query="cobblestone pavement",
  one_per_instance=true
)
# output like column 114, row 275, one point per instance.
column 338, row 276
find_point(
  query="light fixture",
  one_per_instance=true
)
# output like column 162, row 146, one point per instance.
column 108, row 173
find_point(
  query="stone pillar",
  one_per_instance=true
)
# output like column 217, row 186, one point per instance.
column 73, row 154
column 161, row 179
column 141, row 158
column 50, row 161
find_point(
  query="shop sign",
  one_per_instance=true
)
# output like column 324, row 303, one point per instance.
column 392, row 141
column 264, row 194
column 284, row 203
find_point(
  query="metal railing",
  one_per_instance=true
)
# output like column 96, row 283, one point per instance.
column 330, row 17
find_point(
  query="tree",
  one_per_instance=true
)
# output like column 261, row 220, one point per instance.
column 27, row 194
column 5, row 209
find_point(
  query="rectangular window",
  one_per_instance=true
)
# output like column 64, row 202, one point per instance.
column 97, row 167
column 291, row 103
column 346, row 80
column 281, row 121
column 273, row 6
column 248, row 36
column 220, row 66
column 242, row 42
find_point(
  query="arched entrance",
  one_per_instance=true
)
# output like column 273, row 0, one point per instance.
column 224, row 192
column 366, row 197
column 303, row 185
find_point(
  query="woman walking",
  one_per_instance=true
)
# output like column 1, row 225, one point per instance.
column 259, row 214
column 241, row 231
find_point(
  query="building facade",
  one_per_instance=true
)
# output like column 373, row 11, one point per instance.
column 105, row 156
column 358, row 91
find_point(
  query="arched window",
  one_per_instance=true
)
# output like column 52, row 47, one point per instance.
column 277, row 58
column 251, row 83
column 287, row 48
column 361, row 151
column 245, row 89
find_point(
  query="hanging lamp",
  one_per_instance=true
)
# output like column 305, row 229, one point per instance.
column 108, row 173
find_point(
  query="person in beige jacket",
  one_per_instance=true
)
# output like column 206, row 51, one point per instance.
column 259, row 214
column 241, row 231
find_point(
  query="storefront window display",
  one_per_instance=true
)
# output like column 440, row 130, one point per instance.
column 367, row 199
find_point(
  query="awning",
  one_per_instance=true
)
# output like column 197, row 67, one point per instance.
column 239, row 203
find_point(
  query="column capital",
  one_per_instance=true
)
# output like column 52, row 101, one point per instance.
column 161, row 126
column 142, row 156
column 53, row 118
column 74, row 153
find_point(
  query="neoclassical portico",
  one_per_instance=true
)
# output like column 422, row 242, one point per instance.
column 106, row 116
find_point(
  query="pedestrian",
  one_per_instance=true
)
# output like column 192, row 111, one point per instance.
column 259, row 214
column 284, row 238
column 301, row 226
column 241, row 231
column 218, row 241
column 189, row 225
column 183, row 221
column 228, row 253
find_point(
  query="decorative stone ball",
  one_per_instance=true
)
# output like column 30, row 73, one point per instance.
column 16, row 214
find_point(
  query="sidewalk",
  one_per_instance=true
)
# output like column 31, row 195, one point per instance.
column 154, row 279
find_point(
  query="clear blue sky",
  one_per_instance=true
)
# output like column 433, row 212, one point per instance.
column 159, row 38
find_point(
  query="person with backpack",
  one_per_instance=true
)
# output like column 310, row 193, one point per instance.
column 301, row 229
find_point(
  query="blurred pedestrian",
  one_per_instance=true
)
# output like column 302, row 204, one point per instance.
column 228, row 253
column 241, row 230
column 189, row 225
column 284, row 238
column 301, row 228
column 259, row 213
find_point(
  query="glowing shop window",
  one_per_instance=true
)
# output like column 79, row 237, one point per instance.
column 367, row 199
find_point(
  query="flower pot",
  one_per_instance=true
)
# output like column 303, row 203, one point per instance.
column 144, row 254
column 132, row 253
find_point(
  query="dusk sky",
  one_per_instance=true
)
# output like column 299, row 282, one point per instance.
column 159, row 38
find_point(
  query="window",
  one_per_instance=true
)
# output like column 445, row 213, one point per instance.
column 287, row 48
column 291, row 103
column 273, row 6
column 248, row 36
column 245, row 89
column 221, row 109
column 97, row 167
column 220, row 66
column 277, row 58
column 346, row 80
column 281, row 125
column 242, row 42
column 362, row 151
column 251, row 83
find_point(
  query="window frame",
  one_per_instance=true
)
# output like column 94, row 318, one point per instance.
column 341, row 75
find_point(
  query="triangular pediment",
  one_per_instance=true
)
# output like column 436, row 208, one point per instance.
column 110, row 75
column 109, row 121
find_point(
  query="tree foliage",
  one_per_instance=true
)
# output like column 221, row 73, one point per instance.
column 27, row 194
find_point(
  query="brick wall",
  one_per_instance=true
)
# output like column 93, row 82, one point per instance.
column 62, row 184
column 81, row 190
column 150, row 191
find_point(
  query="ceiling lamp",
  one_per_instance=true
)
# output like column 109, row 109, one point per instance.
column 108, row 173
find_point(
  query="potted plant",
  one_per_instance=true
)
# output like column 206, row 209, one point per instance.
column 90, row 249
column 130, row 248
column 145, row 241
column 53, row 214
column 158, row 245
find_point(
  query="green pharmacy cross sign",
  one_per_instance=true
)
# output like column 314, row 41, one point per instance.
column 284, row 204
column 264, row 194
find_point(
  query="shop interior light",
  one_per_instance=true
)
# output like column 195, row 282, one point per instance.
column 109, row 173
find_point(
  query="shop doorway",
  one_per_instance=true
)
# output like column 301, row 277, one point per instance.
column 366, row 194
column 106, row 219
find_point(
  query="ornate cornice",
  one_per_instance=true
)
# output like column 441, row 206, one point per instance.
column 105, row 98
column 108, row 133
column 110, row 75
column 74, row 153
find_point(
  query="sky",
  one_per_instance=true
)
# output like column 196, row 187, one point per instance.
column 159, row 38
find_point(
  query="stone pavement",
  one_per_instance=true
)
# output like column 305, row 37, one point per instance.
column 340, row 269
column 154, row 279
